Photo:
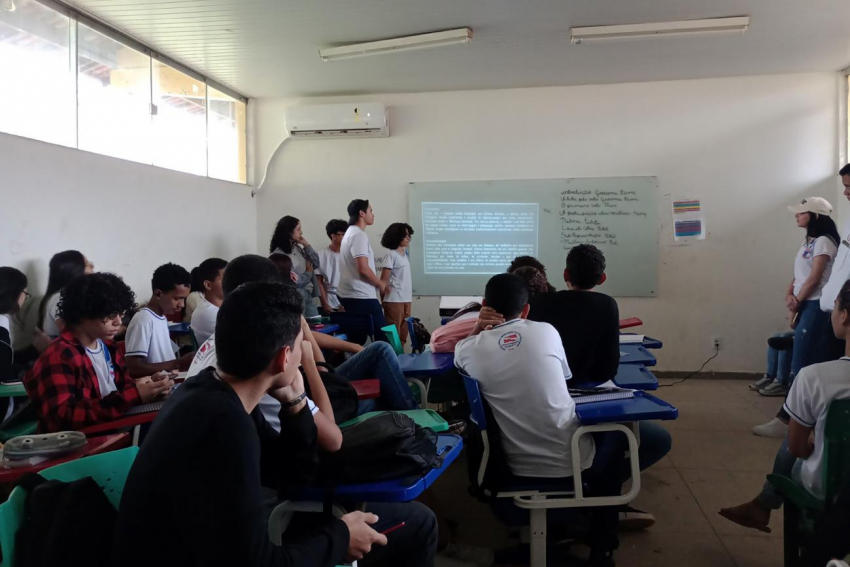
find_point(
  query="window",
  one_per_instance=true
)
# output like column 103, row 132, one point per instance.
column 114, row 96
column 226, row 137
column 70, row 81
column 37, row 70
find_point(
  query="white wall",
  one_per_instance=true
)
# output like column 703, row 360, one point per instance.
column 127, row 218
column 746, row 146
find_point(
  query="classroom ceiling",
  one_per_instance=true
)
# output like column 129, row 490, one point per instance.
column 266, row 48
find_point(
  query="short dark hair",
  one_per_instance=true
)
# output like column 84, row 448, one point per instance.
column 168, row 276
column 534, row 279
column 586, row 264
column 845, row 170
column 507, row 294
column 394, row 234
column 530, row 261
column 253, row 324
column 248, row 268
column 356, row 207
column 206, row 271
column 12, row 283
column 334, row 226
column 282, row 236
column 283, row 264
column 95, row 296
column 844, row 294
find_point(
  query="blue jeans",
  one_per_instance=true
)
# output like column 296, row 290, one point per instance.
column 783, row 464
column 373, row 308
column 379, row 360
column 307, row 303
column 779, row 361
column 812, row 326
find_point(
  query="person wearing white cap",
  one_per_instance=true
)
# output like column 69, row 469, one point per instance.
column 812, row 268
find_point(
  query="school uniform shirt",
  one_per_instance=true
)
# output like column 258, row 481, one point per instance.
column 300, row 256
column 400, row 280
column 51, row 313
column 8, row 372
column 193, row 496
column 194, row 302
column 270, row 407
column 820, row 246
column 807, row 403
column 65, row 389
column 589, row 325
column 522, row 371
column 355, row 244
column 840, row 272
column 329, row 270
column 203, row 322
column 101, row 360
column 147, row 336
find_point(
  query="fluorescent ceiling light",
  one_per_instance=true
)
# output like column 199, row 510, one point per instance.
column 738, row 24
column 421, row 41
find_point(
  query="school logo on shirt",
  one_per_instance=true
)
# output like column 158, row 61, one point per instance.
column 809, row 249
column 510, row 340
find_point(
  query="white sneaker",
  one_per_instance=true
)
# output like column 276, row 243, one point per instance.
column 774, row 390
column 481, row 556
column 773, row 428
column 441, row 561
column 763, row 382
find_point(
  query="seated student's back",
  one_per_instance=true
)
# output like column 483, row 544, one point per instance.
column 587, row 321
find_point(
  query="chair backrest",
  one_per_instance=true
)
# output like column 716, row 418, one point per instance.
column 391, row 332
column 476, row 403
column 109, row 471
column 355, row 324
column 836, row 453
column 411, row 332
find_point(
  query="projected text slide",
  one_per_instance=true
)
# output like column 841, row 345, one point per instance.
column 477, row 238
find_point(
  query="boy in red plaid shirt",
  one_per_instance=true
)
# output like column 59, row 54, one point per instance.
column 80, row 379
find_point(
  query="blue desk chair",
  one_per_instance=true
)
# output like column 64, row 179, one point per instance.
column 636, row 354
column 491, row 480
column 358, row 326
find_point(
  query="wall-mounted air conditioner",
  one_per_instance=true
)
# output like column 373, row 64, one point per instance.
column 367, row 120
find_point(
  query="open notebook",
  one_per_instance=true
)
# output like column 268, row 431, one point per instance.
column 600, row 394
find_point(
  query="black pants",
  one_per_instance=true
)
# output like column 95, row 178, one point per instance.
column 412, row 545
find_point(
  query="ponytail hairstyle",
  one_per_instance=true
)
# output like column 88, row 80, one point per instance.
column 282, row 237
column 822, row 225
column 206, row 271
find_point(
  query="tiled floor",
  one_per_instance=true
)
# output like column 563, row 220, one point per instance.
column 716, row 461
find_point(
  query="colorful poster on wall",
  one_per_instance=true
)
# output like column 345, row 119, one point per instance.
column 688, row 220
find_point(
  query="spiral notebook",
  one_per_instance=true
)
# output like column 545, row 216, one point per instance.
column 582, row 396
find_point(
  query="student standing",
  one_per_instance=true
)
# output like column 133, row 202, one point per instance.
column 358, row 282
column 149, row 346
column 217, row 502
column 834, row 347
column 395, row 270
column 288, row 238
column 80, row 379
column 64, row 267
column 328, row 269
column 207, row 278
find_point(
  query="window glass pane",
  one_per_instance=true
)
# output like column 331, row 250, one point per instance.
column 227, row 143
column 180, row 120
column 114, row 97
column 37, row 74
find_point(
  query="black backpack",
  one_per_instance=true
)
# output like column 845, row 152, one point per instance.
column 388, row 445
column 423, row 337
column 65, row 523
column 342, row 394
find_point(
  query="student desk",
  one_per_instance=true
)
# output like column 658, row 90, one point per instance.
column 426, row 365
column 635, row 377
column 630, row 322
column 179, row 328
column 133, row 422
column 328, row 329
column 95, row 446
column 12, row 390
column 396, row 490
column 648, row 342
column 643, row 407
column 636, row 354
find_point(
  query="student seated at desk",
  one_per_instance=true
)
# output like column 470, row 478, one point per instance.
column 207, row 278
column 13, row 295
column 522, row 371
column 801, row 455
column 80, row 379
column 149, row 346
column 193, row 495
column 530, row 262
column 64, row 268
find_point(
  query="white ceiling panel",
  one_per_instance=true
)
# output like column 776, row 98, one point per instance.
column 268, row 48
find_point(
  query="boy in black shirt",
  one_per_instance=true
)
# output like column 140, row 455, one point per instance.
column 193, row 494
column 589, row 323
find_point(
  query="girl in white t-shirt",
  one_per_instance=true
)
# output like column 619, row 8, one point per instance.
column 64, row 267
column 395, row 269
column 288, row 238
column 812, row 267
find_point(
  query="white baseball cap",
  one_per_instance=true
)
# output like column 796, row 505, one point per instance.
column 817, row 205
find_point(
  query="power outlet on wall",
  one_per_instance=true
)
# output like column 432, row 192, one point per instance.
column 715, row 342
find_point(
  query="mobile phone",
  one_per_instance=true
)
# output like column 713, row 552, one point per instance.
column 392, row 529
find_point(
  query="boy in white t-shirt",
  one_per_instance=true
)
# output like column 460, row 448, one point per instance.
column 395, row 270
column 149, row 346
column 834, row 348
column 328, row 269
column 522, row 371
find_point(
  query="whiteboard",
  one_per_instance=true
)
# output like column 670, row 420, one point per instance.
column 618, row 215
